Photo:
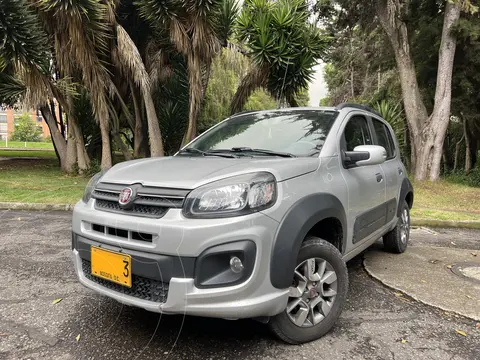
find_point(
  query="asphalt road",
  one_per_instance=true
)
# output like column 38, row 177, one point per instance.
column 35, row 269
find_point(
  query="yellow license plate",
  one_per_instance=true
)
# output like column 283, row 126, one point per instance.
column 112, row 266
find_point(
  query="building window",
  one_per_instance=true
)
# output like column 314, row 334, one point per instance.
column 3, row 126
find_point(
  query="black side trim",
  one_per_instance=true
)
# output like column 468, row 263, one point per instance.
column 373, row 219
column 293, row 229
column 404, row 190
column 151, row 266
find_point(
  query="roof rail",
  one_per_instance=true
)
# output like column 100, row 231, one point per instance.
column 243, row 112
column 357, row 106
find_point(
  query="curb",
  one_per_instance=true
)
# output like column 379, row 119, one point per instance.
column 436, row 306
column 466, row 224
column 35, row 206
column 25, row 149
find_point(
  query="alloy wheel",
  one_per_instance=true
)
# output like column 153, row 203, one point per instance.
column 312, row 293
column 404, row 226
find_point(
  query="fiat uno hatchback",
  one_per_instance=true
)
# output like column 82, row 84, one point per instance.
column 255, row 218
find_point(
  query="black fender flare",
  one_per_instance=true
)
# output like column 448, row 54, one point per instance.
column 293, row 229
column 404, row 190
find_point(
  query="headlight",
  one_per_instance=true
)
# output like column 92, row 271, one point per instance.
column 87, row 194
column 233, row 196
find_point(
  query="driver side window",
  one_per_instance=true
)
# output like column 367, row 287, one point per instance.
column 356, row 133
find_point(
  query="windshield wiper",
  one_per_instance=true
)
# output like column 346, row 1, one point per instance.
column 250, row 150
column 191, row 150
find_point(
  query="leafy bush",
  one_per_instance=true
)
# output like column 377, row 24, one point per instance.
column 26, row 130
column 459, row 177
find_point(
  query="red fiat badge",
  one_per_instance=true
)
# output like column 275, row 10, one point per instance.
column 125, row 196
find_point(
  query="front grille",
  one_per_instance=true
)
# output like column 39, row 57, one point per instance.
column 126, row 234
column 149, row 201
column 139, row 210
column 142, row 288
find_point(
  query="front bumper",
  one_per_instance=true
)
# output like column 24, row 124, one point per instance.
column 188, row 239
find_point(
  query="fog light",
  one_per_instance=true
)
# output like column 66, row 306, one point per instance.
column 236, row 264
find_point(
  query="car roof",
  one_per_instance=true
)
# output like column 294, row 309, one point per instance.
column 314, row 108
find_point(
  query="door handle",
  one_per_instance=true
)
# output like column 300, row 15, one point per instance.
column 400, row 171
column 379, row 177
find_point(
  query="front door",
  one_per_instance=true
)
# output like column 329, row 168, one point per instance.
column 365, row 184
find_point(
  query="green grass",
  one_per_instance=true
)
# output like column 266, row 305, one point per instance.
column 30, row 145
column 38, row 181
column 4, row 153
column 446, row 201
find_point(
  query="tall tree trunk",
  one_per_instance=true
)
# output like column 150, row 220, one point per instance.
column 60, row 119
column 106, row 146
column 71, row 158
column 195, row 95
column 57, row 138
column 427, row 132
column 155, row 136
column 468, row 158
column 352, row 85
column 138, row 135
column 121, row 145
column 440, row 117
column 457, row 152
column 83, row 160
column 292, row 102
column 366, row 84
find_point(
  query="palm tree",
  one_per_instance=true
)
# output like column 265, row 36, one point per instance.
column 25, row 71
column 127, row 57
column 283, row 46
column 80, row 35
column 195, row 29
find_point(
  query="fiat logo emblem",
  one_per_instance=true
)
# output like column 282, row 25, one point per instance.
column 125, row 196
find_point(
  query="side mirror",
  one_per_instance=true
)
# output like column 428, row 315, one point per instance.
column 366, row 155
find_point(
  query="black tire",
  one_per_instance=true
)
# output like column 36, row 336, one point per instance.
column 393, row 240
column 283, row 327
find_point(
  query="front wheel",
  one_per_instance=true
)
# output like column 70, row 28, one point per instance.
column 316, row 297
column 396, row 241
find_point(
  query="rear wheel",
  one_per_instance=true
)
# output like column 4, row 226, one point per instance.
column 317, row 294
column 396, row 241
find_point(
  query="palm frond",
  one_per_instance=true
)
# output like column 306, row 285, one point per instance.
column 23, row 39
column 225, row 20
column 130, row 60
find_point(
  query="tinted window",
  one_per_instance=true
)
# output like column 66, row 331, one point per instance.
column 384, row 138
column 299, row 132
column 356, row 133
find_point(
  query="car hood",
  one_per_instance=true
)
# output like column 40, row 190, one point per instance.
column 184, row 172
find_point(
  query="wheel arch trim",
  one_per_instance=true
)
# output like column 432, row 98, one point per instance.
column 293, row 229
column 405, row 189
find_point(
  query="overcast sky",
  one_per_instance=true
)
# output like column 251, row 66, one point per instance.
column 317, row 88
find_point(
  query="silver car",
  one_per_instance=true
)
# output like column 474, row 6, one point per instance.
column 255, row 218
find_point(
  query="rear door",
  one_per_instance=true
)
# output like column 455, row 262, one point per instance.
column 392, row 167
column 365, row 184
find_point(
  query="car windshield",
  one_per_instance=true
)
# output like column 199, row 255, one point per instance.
column 295, row 132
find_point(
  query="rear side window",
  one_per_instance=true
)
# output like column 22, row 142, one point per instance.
column 356, row 133
column 384, row 138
